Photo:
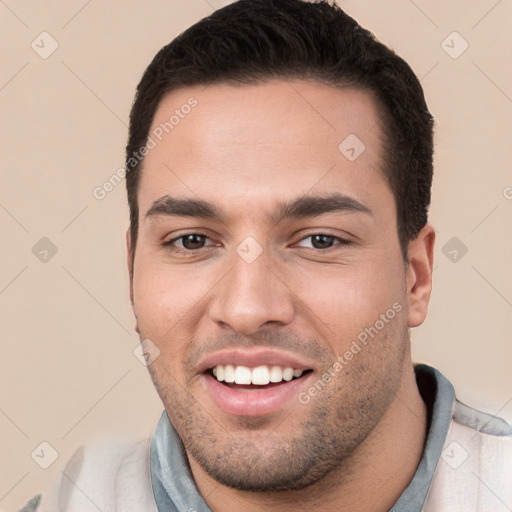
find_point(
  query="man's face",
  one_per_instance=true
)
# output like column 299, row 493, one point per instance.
column 260, row 277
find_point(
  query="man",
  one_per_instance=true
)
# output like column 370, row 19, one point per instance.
column 279, row 167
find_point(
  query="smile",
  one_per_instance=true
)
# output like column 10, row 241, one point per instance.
column 259, row 376
column 254, row 383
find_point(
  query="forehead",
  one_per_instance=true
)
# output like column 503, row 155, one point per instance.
column 274, row 140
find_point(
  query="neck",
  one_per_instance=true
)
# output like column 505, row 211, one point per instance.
column 388, row 458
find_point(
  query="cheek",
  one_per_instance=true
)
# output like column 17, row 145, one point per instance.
column 169, row 300
column 346, row 300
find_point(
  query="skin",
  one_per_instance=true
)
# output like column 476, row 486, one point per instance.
column 245, row 149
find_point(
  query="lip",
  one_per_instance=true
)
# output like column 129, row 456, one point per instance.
column 253, row 403
column 253, row 358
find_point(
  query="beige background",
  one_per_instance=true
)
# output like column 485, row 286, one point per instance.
column 67, row 365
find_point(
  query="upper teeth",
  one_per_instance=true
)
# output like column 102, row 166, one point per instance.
column 260, row 375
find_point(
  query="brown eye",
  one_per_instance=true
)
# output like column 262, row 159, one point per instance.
column 190, row 244
column 322, row 241
column 193, row 241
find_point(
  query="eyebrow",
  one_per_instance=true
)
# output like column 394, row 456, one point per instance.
column 312, row 206
column 302, row 207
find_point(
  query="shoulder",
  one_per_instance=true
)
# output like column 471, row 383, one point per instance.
column 105, row 475
column 475, row 468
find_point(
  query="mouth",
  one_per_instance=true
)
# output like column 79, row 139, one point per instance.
column 255, row 383
column 244, row 378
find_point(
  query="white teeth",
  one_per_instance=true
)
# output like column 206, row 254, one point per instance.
column 276, row 374
column 242, row 375
column 260, row 376
column 229, row 373
column 288, row 373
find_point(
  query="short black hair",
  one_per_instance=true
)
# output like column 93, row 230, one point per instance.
column 250, row 41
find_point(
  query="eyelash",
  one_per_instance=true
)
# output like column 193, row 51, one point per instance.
column 169, row 245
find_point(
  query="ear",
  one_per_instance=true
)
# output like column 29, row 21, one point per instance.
column 129, row 261
column 419, row 274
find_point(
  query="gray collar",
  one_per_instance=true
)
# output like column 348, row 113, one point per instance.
column 439, row 396
column 174, row 488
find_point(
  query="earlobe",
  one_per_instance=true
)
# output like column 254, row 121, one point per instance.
column 419, row 274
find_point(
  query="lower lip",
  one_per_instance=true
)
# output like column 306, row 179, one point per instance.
column 254, row 403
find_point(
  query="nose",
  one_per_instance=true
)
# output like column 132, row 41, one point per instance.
column 252, row 295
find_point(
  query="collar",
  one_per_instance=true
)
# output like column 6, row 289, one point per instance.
column 439, row 397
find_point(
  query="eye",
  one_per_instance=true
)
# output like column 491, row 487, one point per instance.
column 321, row 241
column 190, row 242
